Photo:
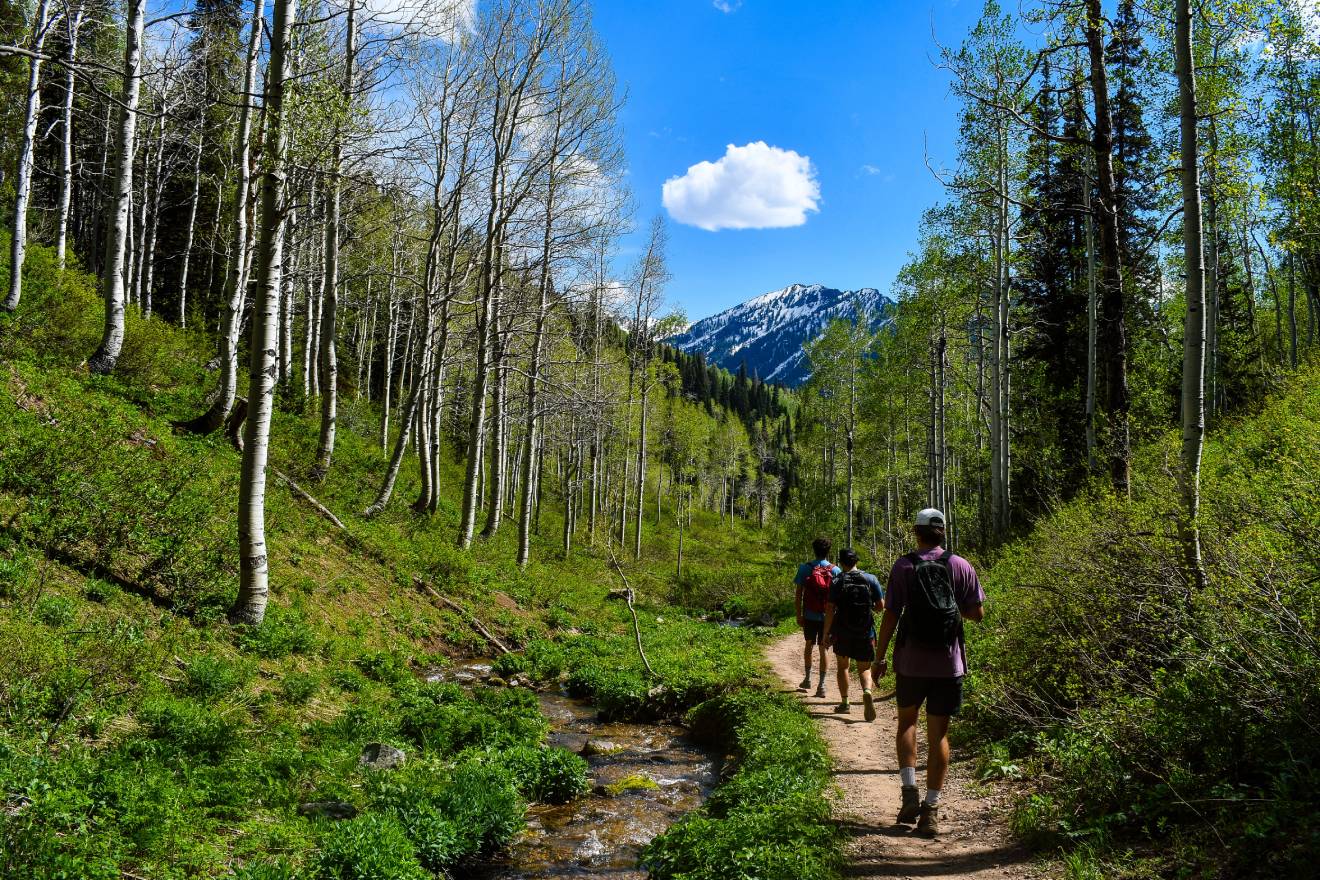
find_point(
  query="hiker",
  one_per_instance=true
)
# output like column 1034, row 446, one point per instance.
column 855, row 596
column 813, row 581
column 930, row 592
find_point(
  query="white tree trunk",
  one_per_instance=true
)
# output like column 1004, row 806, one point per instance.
column 192, row 228
column 66, row 151
column 236, row 280
column 23, row 179
column 121, row 199
column 254, row 587
column 1193, row 384
column 329, row 362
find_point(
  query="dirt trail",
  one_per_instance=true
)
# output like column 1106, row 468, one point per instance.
column 973, row 842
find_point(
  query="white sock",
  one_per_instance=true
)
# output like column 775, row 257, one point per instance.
column 908, row 776
column 932, row 797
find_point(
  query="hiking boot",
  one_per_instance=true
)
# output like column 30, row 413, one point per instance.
column 820, row 691
column 928, row 824
column 868, row 706
column 806, row 683
column 843, row 708
column 911, row 809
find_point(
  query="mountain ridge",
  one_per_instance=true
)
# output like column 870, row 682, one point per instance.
column 769, row 332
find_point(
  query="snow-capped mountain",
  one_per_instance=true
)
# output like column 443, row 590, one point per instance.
column 768, row 333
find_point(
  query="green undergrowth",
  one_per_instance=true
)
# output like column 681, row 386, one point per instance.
column 1155, row 727
column 770, row 819
column 142, row 735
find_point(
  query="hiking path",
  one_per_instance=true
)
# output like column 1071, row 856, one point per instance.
column 973, row 842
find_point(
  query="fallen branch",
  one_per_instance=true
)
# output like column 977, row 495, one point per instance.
column 462, row 612
column 233, row 429
column 637, row 628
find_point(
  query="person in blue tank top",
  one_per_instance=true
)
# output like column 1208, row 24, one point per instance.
column 813, row 581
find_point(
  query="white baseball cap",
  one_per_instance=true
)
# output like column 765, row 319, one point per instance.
column 930, row 517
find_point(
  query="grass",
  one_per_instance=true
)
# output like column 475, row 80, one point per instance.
column 140, row 734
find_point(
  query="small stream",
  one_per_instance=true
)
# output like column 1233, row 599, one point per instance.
column 601, row 835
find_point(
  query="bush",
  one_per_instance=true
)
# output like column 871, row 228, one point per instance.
column 548, row 775
column 445, row 719
column 1128, row 696
column 208, row 677
column 299, row 687
column 370, row 847
column 55, row 611
column 435, row 838
column 771, row 819
column 14, row 574
column 190, row 728
column 483, row 803
column 283, row 632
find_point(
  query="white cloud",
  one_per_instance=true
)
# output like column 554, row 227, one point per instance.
column 727, row 6
column 756, row 186
column 870, row 170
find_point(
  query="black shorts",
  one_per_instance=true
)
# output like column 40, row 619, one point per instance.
column 861, row 649
column 942, row 696
column 813, row 631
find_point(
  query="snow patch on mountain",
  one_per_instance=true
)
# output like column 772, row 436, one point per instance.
column 769, row 333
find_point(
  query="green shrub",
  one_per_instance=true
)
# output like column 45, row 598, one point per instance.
column 209, row 677
column 283, row 632
column 370, row 847
column 299, row 687
column 442, row 718
column 483, row 803
column 435, row 838
column 189, row 727
column 547, row 775
column 385, row 666
column 771, row 819
column 14, row 574
column 507, row 665
column 56, row 611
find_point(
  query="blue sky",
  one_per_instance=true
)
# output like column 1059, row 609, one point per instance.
column 847, row 84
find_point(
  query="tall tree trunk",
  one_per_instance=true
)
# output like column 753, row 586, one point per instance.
column 23, row 179
column 149, row 241
column 641, row 468
column 236, row 280
column 387, row 364
column 1193, row 382
column 329, row 363
column 406, row 420
column 477, row 420
column 254, row 588
column 1113, row 299
column 192, row 228
column 66, row 146
column 112, row 268
column 1092, row 324
column 532, row 422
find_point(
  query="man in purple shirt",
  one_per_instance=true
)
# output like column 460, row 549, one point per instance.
column 930, row 592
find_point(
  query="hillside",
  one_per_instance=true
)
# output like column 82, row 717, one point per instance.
column 142, row 735
column 767, row 335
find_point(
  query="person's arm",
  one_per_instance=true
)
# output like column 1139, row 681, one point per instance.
column 972, row 604
column 880, row 668
column 797, row 602
column 828, row 637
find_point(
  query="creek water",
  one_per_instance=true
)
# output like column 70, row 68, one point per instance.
column 601, row 834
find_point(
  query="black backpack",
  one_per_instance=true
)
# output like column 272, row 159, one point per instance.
column 931, row 617
column 853, row 615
